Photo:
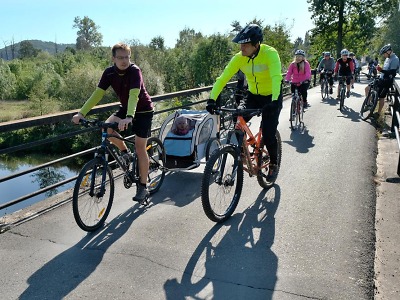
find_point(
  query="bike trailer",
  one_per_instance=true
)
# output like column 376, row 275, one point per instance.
column 185, row 149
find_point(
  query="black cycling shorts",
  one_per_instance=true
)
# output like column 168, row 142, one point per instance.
column 141, row 124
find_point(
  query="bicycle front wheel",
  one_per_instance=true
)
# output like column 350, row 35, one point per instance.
column 369, row 105
column 342, row 96
column 156, row 154
column 323, row 89
column 263, row 161
column 294, row 116
column 93, row 195
column 222, row 184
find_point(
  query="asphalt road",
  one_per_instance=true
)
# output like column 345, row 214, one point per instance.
column 311, row 236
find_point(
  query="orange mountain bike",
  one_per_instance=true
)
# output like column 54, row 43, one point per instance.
column 222, row 181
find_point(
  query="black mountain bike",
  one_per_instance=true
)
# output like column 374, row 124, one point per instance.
column 370, row 102
column 94, row 188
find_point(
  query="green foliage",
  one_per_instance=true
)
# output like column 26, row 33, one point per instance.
column 7, row 81
column 27, row 50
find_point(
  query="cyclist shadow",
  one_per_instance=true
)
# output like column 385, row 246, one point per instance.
column 330, row 100
column 233, row 257
column 65, row 272
column 349, row 113
column 301, row 140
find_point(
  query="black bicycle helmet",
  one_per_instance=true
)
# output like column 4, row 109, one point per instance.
column 252, row 33
column 385, row 49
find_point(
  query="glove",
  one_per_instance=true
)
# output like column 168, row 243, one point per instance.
column 211, row 105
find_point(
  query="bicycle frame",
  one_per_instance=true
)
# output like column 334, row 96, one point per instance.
column 247, row 139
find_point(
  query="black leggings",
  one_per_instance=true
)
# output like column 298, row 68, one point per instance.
column 303, row 88
column 270, row 120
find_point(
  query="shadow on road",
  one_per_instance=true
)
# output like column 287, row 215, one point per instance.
column 234, row 260
column 301, row 140
column 61, row 275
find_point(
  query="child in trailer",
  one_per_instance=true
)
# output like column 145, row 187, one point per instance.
column 181, row 126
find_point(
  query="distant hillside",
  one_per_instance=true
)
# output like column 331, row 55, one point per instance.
column 50, row 47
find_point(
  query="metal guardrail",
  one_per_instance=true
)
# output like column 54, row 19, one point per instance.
column 395, row 112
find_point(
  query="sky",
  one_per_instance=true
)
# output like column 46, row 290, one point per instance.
column 53, row 20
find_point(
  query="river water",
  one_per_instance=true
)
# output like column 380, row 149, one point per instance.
column 31, row 182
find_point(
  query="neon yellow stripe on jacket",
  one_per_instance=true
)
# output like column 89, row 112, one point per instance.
column 263, row 73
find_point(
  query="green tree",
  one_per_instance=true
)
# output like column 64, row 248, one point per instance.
column 88, row 33
column 346, row 23
column 27, row 50
column 157, row 43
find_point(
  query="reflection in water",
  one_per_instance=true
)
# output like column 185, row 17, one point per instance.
column 31, row 182
column 48, row 176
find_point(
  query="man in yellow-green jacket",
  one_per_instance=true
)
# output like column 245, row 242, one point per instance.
column 262, row 67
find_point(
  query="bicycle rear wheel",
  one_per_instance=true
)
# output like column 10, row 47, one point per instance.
column 369, row 105
column 263, row 159
column 294, row 116
column 156, row 153
column 93, row 195
column 222, row 184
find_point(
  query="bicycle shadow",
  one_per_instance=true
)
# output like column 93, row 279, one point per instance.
column 65, row 272
column 301, row 140
column 234, row 258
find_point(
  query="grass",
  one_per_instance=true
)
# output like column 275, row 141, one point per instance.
column 14, row 110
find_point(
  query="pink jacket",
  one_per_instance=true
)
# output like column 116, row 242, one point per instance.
column 293, row 74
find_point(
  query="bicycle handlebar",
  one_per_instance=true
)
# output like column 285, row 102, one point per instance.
column 240, row 111
column 98, row 123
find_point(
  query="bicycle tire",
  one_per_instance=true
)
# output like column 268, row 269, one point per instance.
column 323, row 85
column 157, row 158
column 326, row 90
column 342, row 96
column 212, row 145
column 293, row 115
column 220, row 193
column 300, row 111
column 91, row 211
column 369, row 105
column 264, row 158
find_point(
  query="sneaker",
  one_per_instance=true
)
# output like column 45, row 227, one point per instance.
column 142, row 194
column 352, row 86
column 305, row 104
column 338, row 97
column 273, row 173
column 348, row 94
column 331, row 91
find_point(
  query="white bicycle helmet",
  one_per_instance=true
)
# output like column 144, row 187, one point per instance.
column 344, row 52
column 300, row 52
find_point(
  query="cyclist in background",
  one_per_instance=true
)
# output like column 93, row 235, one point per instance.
column 387, row 75
column 326, row 68
column 344, row 67
column 136, row 107
column 299, row 72
column 261, row 65
column 356, row 67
